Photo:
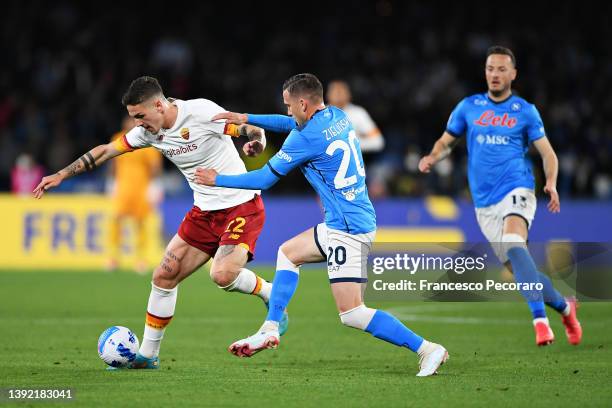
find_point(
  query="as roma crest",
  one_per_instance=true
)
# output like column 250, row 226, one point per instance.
column 185, row 133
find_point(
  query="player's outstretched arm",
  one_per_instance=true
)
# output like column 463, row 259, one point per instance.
column 551, row 169
column 260, row 179
column 442, row 148
column 275, row 123
column 293, row 153
column 86, row 162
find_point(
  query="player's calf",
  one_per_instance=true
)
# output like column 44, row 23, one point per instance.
column 166, row 275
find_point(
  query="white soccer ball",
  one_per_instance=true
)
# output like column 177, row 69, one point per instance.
column 117, row 346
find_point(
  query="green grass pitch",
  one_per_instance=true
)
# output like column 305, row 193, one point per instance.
column 50, row 323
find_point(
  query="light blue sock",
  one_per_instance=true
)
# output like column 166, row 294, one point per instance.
column 552, row 297
column 283, row 287
column 525, row 271
column 386, row 327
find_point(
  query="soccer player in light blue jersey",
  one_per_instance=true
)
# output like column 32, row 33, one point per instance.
column 323, row 144
column 499, row 127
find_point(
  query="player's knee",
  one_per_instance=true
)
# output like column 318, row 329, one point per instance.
column 224, row 274
column 289, row 251
column 358, row 317
column 283, row 262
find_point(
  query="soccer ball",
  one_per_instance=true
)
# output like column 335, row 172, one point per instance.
column 117, row 346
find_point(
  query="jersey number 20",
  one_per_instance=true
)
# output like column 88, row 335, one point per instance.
column 341, row 180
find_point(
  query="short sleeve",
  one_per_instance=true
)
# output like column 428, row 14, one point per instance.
column 535, row 126
column 135, row 138
column 295, row 151
column 457, row 125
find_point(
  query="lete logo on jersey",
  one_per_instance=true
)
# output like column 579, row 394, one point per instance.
column 488, row 118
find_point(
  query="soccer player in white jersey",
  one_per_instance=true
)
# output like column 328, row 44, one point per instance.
column 371, row 139
column 499, row 127
column 223, row 223
column 323, row 144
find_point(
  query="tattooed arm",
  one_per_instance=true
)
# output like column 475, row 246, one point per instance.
column 257, row 140
column 86, row 162
column 239, row 127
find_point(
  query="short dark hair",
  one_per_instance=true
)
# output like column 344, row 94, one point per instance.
column 304, row 85
column 498, row 49
column 140, row 90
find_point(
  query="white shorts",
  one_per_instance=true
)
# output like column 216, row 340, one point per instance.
column 521, row 201
column 346, row 254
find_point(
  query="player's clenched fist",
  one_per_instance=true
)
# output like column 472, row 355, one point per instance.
column 253, row 148
column 232, row 117
column 426, row 164
column 205, row 176
column 46, row 183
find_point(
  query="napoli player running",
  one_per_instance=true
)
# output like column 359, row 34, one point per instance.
column 323, row 144
column 499, row 126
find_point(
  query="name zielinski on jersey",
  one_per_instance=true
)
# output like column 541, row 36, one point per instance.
column 336, row 128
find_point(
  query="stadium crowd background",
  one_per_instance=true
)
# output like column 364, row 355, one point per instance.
column 67, row 64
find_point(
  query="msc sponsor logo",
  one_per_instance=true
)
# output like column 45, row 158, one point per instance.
column 284, row 156
column 480, row 102
column 493, row 139
column 169, row 153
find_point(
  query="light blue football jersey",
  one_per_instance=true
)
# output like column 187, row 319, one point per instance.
column 326, row 149
column 498, row 135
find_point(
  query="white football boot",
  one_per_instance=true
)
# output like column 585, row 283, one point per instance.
column 432, row 357
column 252, row 345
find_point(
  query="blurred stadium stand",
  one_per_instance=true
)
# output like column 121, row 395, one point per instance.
column 66, row 65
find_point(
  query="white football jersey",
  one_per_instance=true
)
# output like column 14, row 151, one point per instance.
column 360, row 118
column 364, row 126
column 196, row 141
